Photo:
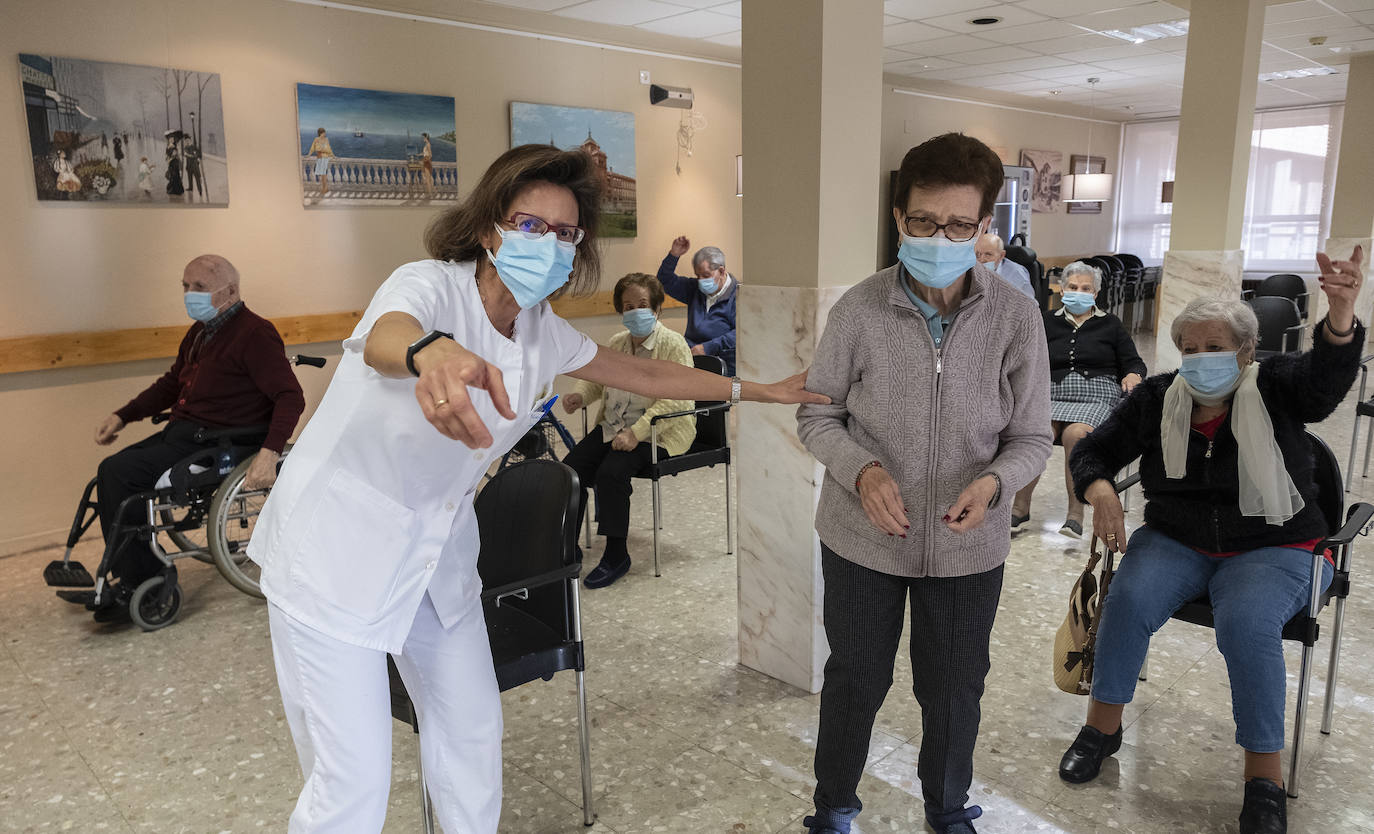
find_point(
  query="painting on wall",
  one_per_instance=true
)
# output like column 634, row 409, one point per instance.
column 1048, row 167
column 607, row 135
column 1082, row 164
column 372, row 147
column 123, row 133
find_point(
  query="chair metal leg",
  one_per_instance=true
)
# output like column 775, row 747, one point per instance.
column 587, row 525
column 426, row 805
column 585, row 741
column 1354, row 444
column 1144, row 668
column 658, row 525
column 1333, row 667
column 1304, row 681
column 1368, row 438
column 729, row 511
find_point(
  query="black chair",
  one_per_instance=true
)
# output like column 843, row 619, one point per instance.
column 1109, row 289
column 711, row 446
column 1345, row 525
column 1363, row 408
column 1285, row 285
column 1280, row 325
column 527, row 515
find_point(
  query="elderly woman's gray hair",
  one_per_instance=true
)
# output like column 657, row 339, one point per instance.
column 1080, row 268
column 1236, row 314
column 709, row 255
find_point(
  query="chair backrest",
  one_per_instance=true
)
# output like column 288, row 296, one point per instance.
column 1026, row 257
column 710, row 427
column 1276, row 315
column 527, row 515
column 1285, row 285
column 1130, row 261
column 1330, row 484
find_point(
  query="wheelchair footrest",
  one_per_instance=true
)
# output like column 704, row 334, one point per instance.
column 67, row 574
column 77, row 597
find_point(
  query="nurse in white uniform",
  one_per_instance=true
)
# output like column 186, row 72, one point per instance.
column 369, row 542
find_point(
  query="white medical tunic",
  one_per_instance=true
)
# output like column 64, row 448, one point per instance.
column 374, row 506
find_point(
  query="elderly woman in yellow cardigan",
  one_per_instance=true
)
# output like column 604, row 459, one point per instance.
column 618, row 447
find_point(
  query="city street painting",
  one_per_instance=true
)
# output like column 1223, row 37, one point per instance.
column 607, row 135
column 373, row 147
column 123, row 133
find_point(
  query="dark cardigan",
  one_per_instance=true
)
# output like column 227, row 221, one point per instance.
column 1202, row 509
column 1099, row 347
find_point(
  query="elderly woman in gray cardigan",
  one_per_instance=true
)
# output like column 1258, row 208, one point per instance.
column 938, row 377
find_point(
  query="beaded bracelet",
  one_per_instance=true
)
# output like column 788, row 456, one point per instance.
column 866, row 467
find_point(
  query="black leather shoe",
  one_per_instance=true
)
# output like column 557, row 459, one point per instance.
column 1020, row 522
column 606, row 574
column 1083, row 759
column 1265, row 810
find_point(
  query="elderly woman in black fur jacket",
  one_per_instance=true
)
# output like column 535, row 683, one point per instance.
column 1231, row 512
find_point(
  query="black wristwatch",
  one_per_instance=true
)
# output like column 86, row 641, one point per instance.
column 419, row 345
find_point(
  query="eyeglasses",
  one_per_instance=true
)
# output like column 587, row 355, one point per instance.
column 956, row 231
column 533, row 226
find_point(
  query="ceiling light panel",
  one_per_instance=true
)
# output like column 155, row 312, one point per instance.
column 1300, row 72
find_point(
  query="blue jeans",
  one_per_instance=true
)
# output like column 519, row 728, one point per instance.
column 1253, row 594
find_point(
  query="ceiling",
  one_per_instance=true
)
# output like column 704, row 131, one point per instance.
column 1040, row 53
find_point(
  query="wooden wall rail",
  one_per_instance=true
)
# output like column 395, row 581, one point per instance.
column 74, row 350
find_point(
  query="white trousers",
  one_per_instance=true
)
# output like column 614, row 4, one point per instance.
column 338, row 705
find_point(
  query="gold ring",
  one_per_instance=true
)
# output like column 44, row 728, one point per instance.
column 440, row 403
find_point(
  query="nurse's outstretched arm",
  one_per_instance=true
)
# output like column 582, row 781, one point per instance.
column 447, row 370
column 669, row 380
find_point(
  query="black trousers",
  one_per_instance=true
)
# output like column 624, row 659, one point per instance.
column 951, row 624
column 132, row 470
column 609, row 472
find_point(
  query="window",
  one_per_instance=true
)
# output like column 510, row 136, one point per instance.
column 1288, row 199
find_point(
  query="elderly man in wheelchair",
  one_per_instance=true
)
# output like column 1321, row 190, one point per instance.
column 229, row 393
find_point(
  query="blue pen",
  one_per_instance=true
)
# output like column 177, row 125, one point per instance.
column 548, row 406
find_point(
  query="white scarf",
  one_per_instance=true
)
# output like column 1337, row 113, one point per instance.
column 1265, row 486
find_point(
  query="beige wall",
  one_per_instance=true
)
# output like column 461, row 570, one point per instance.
column 910, row 120
column 76, row 267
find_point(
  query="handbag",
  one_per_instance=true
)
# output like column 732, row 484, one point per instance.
column 1076, row 641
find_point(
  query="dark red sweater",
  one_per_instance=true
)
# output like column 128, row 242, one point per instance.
column 239, row 377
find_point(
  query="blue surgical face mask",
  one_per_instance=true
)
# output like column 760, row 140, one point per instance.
column 639, row 322
column 199, row 306
column 1079, row 303
column 937, row 261
column 1211, row 374
column 708, row 286
column 532, row 268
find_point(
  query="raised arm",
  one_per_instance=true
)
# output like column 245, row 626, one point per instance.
column 659, row 379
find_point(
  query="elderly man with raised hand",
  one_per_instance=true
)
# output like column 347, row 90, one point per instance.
column 993, row 255
column 230, row 371
column 710, row 300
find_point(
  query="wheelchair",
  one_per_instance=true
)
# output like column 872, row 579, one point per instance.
column 202, row 509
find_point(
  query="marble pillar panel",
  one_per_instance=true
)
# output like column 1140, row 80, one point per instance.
column 1188, row 275
column 780, row 586
column 1339, row 249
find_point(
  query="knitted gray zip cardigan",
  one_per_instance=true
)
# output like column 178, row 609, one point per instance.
column 936, row 420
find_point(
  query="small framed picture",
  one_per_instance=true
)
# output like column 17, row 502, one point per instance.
column 1082, row 164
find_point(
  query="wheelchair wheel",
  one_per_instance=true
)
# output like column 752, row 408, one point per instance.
column 152, row 606
column 233, row 515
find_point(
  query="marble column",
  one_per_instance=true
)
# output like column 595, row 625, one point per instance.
column 1219, row 79
column 1352, row 204
column 812, row 95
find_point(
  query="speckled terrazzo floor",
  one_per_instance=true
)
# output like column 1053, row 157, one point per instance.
column 108, row 729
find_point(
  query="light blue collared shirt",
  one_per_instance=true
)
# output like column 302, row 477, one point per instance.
column 1016, row 275
column 936, row 322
